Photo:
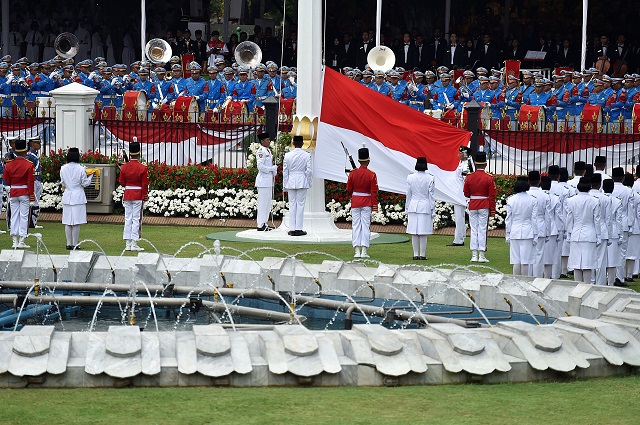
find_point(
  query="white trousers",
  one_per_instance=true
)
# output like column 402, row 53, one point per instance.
column 621, row 271
column 360, row 223
column 131, row 220
column 297, row 198
column 601, row 263
column 537, row 267
column 264, row 205
column 37, row 191
column 478, row 221
column 461, row 229
column 19, row 215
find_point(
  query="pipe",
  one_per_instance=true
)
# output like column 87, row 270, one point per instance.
column 348, row 321
column 161, row 302
column 546, row 315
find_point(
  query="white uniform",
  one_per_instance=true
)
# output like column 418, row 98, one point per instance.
column 15, row 44
column 633, row 248
column 601, row 252
column 562, row 192
column 521, row 227
column 583, row 230
column 74, row 202
column 571, row 191
column 459, row 210
column 615, row 230
column 544, row 229
column 33, row 40
column 264, row 183
column 296, row 179
column 420, row 203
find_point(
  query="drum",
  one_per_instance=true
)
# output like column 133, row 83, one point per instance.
column 134, row 106
column 635, row 119
column 591, row 121
column 287, row 110
column 161, row 114
column 107, row 113
column 46, row 107
column 451, row 117
column 435, row 113
column 531, row 118
column 234, row 111
column 185, row 109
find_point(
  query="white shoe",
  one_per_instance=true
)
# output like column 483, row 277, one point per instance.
column 2, row 232
column 482, row 258
column 21, row 244
column 474, row 256
column 128, row 246
column 357, row 254
column 15, row 242
column 364, row 253
column 135, row 247
column 37, row 226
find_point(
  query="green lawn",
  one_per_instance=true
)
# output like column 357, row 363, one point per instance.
column 596, row 401
column 169, row 239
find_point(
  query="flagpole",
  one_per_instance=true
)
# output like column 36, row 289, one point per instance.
column 585, row 10
column 143, row 27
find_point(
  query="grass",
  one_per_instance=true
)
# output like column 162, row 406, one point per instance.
column 596, row 401
column 169, row 239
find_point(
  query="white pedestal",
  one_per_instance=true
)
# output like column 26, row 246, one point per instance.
column 74, row 105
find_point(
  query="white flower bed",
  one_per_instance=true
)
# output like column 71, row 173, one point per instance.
column 225, row 203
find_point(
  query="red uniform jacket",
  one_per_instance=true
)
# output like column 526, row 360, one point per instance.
column 19, row 172
column 363, row 181
column 135, row 179
column 481, row 189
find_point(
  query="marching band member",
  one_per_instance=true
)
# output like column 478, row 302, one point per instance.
column 19, row 89
column 447, row 96
column 291, row 90
column 397, row 90
column 414, row 94
column 214, row 90
column 194, row 86
column 263, row 85
column 229, row 81
column 380, row 85
column 244, row 90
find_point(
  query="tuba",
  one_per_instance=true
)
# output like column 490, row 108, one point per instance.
column 381, row 58
column 158, row 51
column 66, row 45
column 248, row 54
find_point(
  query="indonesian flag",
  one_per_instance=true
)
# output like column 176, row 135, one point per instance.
column 395, row 134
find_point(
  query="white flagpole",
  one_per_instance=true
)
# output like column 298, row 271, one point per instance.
column 378, row 20
column 583, row 58
column 143, row 27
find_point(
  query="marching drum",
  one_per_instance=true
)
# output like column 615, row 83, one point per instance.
column 435, row 113
column 134, row 106
column 234, row 111
column 591, row 121
column 451, row 116
column 531, row 118
column 635, row 119
column 185, row 109
column 287, row 109
column 45, row 107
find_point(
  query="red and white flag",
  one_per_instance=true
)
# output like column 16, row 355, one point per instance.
column 395, row 135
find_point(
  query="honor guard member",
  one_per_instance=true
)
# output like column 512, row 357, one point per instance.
column 33, row 156
column 561, row 192
column 194, row 86
column 628, row 213
column 380, row 85
column 243, row 90
column 579, row 169
column 18, row 174
column 465, row 167
column 480, row 189
column 296, row 179
column 521, row 227
column 552, row 246
column 566, row 246
column 6, row 159
column 544, row 220
column 614, row 229
column 214, row 90
column 583, row 231
column 263, row 85
column 420, row 207
column 264, row 181
column 600, row 164
column 362, row 187
column 135, row 180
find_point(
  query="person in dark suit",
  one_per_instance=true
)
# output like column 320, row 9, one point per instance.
column 454, row 55
column 186, row 45
column 515, row 51
column 201, row 49
column 347, row 54
column 603, row 52
column 270, row 46
column 470, row 55
column 363, row 50
column 290, row 56
column 422, row 56
column 567, row 56
column 437, row 47
column 487, row 53
column 406, row 52
column 621, row 54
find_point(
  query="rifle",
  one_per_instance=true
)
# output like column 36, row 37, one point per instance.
column 353, row 163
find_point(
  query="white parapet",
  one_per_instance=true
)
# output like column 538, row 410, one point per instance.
column 74, row 106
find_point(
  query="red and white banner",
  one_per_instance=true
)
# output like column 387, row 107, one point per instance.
column 539, row 150
column 395, row 135
column 23, row 128
column 176, row 144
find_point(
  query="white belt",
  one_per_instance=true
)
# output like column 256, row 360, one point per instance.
column 133, row 187
column 38, row 92
column 361, row 194
column 22, row 186
column 478, row 197
column 108, row 96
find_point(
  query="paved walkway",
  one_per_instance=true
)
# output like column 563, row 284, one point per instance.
column 235, row 222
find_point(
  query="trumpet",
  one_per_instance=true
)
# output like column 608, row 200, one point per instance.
column 412, row 86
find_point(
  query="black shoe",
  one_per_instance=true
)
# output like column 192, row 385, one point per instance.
column 570, row 273
column 301, row 232
column 635, row 276
column 261, row 229
column 455, row 244
column 422, row 258
column 77, row 248
column 69, row 247
column 563, row 276
column 618, row 282
column 267, row 228
column 629, row 279
column 290, row 232
column 415, row 257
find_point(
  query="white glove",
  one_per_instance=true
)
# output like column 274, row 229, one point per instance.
column 55, row 76
column 92, row 75
column 508, row 241
column 215, row 110
column 559, row 237
column 620, row 240
column 598, row 243
column 10, row 79
column 534, row 242
column 97, row 78
column 114, row 81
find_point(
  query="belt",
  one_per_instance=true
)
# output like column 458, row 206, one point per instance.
column 133, row 188
column 17, row 94
column 108, row 96
column 361, row 194
column 22, row 186
column 39, row 92
column 478, row 197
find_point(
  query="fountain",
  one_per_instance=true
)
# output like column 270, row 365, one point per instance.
column 224, row 318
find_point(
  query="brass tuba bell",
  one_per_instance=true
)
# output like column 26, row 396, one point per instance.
column 381, row 58
column 248, row 54
column 158, row 51
column 66, row 45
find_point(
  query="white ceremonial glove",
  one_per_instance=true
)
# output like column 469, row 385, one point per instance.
column 598, row 243
column 92, row 75
column 620, row 240
column 10, row 79
column 215, row 110
column 508, row 241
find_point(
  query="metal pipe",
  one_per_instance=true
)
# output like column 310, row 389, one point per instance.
column 161, row 302
column 546, row 315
